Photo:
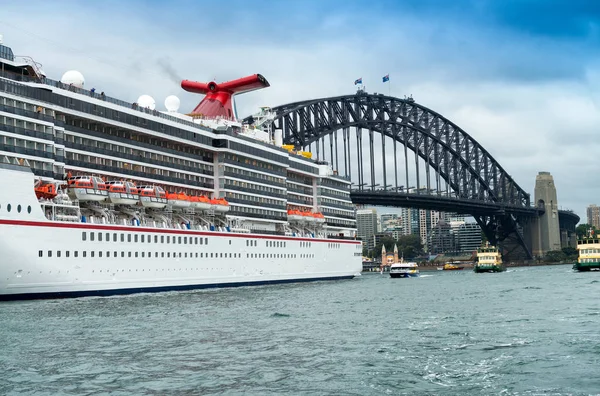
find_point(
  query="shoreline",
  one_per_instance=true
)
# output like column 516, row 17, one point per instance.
column 469, row 266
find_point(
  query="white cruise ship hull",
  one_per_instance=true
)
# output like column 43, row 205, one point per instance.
column 47, row 259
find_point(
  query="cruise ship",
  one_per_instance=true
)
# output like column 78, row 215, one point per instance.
column 103, row 197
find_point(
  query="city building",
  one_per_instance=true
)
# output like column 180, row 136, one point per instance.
column 593, row 215
column 387, row 217
column 366, row 224
column 378, row 237
column 441, row 239
column 469, row 237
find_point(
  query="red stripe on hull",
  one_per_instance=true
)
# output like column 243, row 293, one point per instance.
column 87, row 226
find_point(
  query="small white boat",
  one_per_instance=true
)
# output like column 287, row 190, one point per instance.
column 122, row 193
column 87, row 188
column 152, row 197
column 404, row 270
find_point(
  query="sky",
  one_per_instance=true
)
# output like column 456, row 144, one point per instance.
column 521, row 77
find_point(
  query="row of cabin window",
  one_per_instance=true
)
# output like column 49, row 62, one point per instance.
column 143, row 239
column 275, row 244
column 334, row 245
column 305, row 244
column 140, row 254
column 19, row 208
column 175, row 254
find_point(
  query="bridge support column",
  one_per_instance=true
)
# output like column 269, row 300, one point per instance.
column 548, row 228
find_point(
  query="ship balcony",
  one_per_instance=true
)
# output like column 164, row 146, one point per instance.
column 96, row 168
column 119, row 155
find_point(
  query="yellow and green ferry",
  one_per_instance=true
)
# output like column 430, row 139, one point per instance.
column 489, row 259
column 588, row 248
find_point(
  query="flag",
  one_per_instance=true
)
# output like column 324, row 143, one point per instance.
column 358, row 81
column 386, row 78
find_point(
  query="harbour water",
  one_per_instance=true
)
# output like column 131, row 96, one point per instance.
column 526, row 331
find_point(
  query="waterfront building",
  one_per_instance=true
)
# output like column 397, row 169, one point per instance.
column 593, row 215
column 366, row 224
column 441, row 240
column 469, row 237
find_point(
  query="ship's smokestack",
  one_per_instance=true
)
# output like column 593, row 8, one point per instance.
column 219, row 97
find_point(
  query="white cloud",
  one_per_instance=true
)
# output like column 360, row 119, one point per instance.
column 528, row 124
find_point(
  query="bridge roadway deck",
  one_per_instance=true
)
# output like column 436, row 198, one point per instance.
column 444, row 204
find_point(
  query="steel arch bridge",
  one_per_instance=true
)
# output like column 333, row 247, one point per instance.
column 451, row 170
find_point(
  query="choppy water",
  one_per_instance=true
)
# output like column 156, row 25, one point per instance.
column 526, row 331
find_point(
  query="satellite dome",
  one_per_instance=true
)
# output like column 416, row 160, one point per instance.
column 146, row 101
column 73, row 77
column 172, row 103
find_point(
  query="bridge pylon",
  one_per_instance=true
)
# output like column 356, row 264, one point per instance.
column 546, row 227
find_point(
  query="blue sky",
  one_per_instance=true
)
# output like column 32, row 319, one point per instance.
column 522, row 77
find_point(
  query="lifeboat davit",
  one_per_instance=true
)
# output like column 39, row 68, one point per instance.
column 122, row 193
column 45, row 191
column 152, row 196
column 295, row 215
column 200, row 202
column 219, row 205
column 87, row 188
column 178, row 200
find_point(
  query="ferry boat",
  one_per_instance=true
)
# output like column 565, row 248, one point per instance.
column 489, row 259
column 588, row 247
column 102, row 196
column 452, row 267
column 404, row 270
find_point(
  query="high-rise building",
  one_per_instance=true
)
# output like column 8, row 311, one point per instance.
column 593, row 215
column 441, row 239
column 469, row 237
column 366, row 224
column 386, row 217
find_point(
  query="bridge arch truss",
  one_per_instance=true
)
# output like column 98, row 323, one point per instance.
column 446, row 161
column 466, row 168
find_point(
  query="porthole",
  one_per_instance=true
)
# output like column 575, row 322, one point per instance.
column 8, row 208
column 28, row 209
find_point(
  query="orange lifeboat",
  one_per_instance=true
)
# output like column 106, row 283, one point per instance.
column 87, row 188
column 152, row 197
column 122, row 193
column 178, row 200
column 295, row 215
column 45, row 191
column 200, row 202
column 319, row 218
column 219, row 205
column 308, row 216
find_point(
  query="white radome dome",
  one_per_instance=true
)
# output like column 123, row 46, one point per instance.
column 146, row 101
column 172, row 103
column 73, row 77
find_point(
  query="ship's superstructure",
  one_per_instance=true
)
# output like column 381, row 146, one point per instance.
column 103, row 171
column 588, row 249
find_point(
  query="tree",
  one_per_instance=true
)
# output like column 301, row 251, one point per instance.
column 570, row 253
column 584, row 229
column 365, row 252
column 555, row 256
column 409, row 246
